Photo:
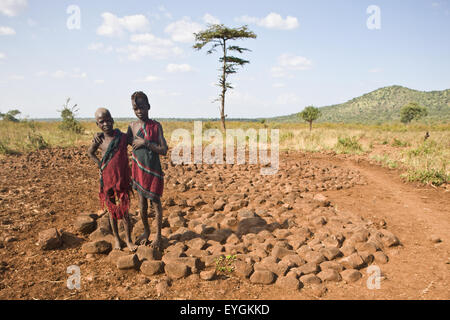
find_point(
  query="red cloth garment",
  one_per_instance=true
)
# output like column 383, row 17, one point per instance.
column 115, row 177
column 147, row 174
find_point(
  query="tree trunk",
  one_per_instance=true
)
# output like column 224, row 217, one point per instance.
column 224, row 85
column 222, row 113
column 310, row 126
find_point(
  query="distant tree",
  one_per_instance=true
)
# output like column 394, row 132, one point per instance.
column 10, row 115
column 310, row 114
column 219, row 36
column 412, row 111
column 68, row 118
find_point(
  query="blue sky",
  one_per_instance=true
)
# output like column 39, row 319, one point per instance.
column 307, row 53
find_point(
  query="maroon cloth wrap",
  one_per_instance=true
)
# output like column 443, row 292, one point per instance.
column 115, row 177
column 147, row 175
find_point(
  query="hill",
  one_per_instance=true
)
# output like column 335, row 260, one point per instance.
column 383, row 105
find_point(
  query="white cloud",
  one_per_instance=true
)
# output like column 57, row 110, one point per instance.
column 272, row 21
column 41, row 73
column 99, row 81
column 151, row 79
column 375, row 70
column 210, row 19
column 278, row 85
column 115, row 26
column 172, row 68
column 294, row 62
column 166, row 13
column 287, row 99
column 7, row 31
column 137, row 52
column 165, row 93
column 2, row 56
column 288, row 63
column 183, row 30
column 148, row 38
column 12, row 8
column 98, row 46
column 31, row 22
column 60, row 74
column 17, row 77
column 148, row 45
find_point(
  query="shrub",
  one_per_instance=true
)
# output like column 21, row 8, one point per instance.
column 398, row 143
column 435, row 177
column 348, row 145
column 69, row 123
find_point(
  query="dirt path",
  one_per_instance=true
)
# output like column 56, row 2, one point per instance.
column 45, row 189
column 420, row 268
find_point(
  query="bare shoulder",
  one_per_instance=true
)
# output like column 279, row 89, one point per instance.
column 134, row 126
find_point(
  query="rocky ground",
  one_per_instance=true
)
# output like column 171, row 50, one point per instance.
column 320, row 228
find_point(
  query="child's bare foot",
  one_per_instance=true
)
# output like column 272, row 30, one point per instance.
column 132, row 247
column 117, row 245
column 156, row 244
column 143, row 239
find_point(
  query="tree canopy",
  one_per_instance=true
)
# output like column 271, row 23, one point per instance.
column 10, row 115
column 310, row 114
column 412, row 111
column 219, row 36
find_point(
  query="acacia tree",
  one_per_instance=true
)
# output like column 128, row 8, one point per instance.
column 219, row 36
column 310, row 114
column 412, row 111
column 10, row 115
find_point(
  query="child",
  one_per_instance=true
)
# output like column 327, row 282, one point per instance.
column 147, row 138
column 114, row 174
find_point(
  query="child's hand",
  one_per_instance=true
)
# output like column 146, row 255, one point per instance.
column 98, row 138
column 138, row 143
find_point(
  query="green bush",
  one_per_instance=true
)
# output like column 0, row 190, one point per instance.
column 426, row 148
column 348, row 145
column 435, row 177
column 69, row 123
column 398, row 143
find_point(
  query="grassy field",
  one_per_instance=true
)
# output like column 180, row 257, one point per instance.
column 393, row 145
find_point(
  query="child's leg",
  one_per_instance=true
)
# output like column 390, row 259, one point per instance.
column 115, row 230
column 113, row 223
column 127, row 225
column 158, row 208
column 143, row 206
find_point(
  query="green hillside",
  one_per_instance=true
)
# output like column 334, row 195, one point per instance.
column 384, row 105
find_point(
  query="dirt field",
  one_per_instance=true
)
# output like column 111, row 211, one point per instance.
column 51, row 188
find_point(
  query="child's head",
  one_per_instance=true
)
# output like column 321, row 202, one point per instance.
column 104, row 120
column 141, row 106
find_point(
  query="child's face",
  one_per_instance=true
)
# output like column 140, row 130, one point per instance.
column 105, row 123
column 141, row 109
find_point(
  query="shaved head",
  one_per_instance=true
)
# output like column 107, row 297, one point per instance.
column 101, row 112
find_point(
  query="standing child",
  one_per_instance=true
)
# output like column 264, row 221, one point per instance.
column 147, row 138
column 115, row 180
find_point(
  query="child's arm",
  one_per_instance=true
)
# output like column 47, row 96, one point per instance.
column 160, row 148
column 130, row 136
column 163, row 148
column 93, row 149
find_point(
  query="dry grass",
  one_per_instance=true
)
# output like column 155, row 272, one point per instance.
column 393, row 145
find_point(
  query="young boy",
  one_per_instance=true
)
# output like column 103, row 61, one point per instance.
column 147, row 138
column 115, row 175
